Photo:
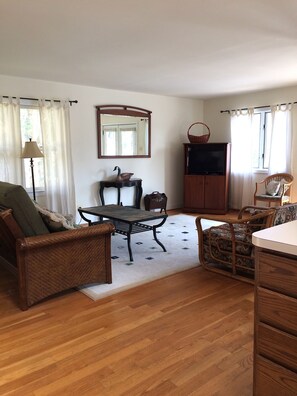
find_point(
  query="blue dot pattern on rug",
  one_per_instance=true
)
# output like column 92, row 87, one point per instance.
column 185, row 243
column 178, row 235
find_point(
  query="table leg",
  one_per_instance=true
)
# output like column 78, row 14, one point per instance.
column 84, row 218
column 119, row 196
column 138, row 194
column 155, row 234
column 129, row 242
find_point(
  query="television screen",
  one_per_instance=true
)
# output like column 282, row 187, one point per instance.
column 209, row 160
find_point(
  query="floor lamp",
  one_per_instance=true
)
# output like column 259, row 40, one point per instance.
column 31, row 150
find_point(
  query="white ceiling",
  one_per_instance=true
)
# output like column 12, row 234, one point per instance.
column 187, row 48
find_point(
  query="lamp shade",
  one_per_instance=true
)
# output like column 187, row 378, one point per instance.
column 31, row 150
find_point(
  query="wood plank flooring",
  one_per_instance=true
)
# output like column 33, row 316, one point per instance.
column 187, row 334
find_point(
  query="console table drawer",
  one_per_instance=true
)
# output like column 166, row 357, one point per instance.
column 278, row 273
column 273, row 380
column 277, row 310
column 277, row 346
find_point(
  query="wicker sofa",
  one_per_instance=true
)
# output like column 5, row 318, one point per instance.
column 227, row 248
column 45, row 262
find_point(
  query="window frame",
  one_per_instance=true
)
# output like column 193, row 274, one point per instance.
column 118, row 131
column 263, row 137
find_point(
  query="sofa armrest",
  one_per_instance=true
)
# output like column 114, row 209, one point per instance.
column 51, row 263
column 63, row 237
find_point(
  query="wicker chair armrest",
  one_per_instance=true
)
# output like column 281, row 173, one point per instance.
column 210, row 217
column 240, row 220
column 251, row 220
column 246, row 210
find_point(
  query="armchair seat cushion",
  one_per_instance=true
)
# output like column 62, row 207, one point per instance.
column 273, row 197
column 15, row 197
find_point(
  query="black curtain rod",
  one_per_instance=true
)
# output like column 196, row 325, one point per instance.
column 257, row 107
column 47, row 100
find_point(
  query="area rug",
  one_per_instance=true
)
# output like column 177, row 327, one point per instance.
column 180, row 238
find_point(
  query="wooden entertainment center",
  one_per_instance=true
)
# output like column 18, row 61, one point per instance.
column 206, row 177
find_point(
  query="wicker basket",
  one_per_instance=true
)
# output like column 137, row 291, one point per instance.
column 199, row 139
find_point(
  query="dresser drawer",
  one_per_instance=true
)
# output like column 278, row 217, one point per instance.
column 277, row 346
column 273, row 380
column 277, row 310
column 278, row 273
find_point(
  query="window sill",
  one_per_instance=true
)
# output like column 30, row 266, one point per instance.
column 261, row 171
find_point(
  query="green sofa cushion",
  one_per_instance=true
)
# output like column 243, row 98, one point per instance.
column 15, row 197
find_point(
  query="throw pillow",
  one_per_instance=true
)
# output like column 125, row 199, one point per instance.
column 55, row 221
column 272, row 188
column 284, row 186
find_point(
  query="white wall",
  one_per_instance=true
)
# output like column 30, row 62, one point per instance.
column 171, row 118
column 220, row 123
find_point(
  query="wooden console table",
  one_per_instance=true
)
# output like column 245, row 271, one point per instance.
column 118, row 184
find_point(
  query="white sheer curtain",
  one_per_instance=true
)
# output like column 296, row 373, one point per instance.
column 11, row 143
column 59, row 181
column 242, row 186
column 281, row 139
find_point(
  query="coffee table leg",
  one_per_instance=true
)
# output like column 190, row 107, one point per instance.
column 129, row 242
column 155, row 233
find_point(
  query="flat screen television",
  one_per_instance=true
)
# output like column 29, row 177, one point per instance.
column 207, row 159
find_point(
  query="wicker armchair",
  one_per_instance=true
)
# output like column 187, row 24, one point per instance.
column 49, row 263
column 274, row 189
column 227, row 248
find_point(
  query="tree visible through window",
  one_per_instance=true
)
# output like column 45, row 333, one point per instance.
column 30, row 128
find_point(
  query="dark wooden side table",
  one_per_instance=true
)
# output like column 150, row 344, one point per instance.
column 118, row 184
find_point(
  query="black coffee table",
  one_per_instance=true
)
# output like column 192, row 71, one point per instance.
column 126, row 220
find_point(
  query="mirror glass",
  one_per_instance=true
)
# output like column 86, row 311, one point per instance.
column 123, row 131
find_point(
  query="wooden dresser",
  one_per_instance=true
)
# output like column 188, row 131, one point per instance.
column 275, row 337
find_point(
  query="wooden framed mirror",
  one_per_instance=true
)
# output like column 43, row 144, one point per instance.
column 123, row 131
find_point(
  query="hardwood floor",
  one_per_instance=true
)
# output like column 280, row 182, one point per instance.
column 187, row 334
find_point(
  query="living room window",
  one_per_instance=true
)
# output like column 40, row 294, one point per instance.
column 31, row 129
column 261, row 140
column 47, row 122
column 262, row 131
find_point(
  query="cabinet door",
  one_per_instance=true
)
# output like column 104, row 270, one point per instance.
column 215, row 192
column 193, row 191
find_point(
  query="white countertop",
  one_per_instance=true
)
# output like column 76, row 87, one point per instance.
column 281, row 238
